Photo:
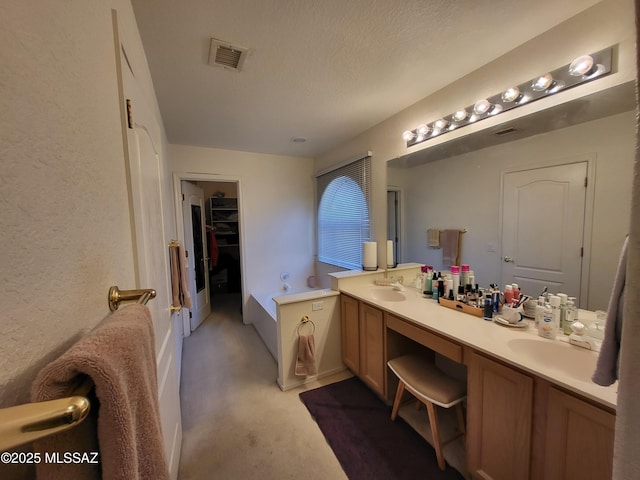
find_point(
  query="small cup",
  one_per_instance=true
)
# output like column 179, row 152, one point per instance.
column 511, row 315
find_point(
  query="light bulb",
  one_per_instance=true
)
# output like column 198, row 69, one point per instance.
column 542, row 82
column 422, row 130
column 408, row 135
column 582, row 66
column 496, row 109
column 511, row 94
column 482, row 106
column 440, row 124
column 460, row 115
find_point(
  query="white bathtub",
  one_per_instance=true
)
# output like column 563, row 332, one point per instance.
column 264, row 314
column 278, row 321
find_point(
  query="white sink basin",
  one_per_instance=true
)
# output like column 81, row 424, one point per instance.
column 575, row 362
column 387, row 294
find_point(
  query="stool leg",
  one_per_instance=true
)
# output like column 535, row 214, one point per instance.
column 396, row 402
column 433, row 420
column 460, row 415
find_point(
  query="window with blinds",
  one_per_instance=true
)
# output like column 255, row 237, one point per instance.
column 344, row 203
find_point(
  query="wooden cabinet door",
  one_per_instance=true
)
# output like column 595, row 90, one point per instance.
column 579, row 439
column 372, row 368
column 499, row 419
column 350, row 328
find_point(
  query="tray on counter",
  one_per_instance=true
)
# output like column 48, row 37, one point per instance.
column 462, row 307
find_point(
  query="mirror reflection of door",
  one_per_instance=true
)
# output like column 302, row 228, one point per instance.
column 195, row 245
column 543, row 214
column 393, row 222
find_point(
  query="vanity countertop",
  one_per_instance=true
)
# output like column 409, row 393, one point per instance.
column 557, row 361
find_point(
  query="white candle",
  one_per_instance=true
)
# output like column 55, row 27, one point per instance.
column 369, row 256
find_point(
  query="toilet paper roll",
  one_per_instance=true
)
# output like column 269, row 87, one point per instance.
column 391, row 261
column 369, row 256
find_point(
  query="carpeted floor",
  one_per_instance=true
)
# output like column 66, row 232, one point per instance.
column 368, row 444
column 237, row 423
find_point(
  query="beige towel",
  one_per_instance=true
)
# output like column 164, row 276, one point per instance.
column 306, row 361
column 450, row 241
column 433, row 235
column 119, row 356
column 179, row 279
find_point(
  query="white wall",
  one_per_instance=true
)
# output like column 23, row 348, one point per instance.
column 65, row 226
column 464, row 192
column 608, row 23
column 276, row 211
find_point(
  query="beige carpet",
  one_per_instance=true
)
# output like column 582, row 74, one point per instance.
column 237, row 423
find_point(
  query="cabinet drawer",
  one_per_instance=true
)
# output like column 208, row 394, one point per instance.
column 430, row 340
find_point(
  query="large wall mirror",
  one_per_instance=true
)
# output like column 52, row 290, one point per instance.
column 514, row 181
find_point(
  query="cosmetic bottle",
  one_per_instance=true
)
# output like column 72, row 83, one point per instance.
column 539, row 311
column 572, row 315
column 554, row 301
column 516, row 292
column 563, row 313
column 488, row 308
column 508, row 295
column 455, row 277
column 464, row 275
column 426, row 289
column 461, row 296
column 546, row 327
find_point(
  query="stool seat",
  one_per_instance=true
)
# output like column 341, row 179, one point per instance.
column 428, row 380
column 431, row 386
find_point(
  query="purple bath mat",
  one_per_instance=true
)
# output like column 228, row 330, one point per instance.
column 368, row 445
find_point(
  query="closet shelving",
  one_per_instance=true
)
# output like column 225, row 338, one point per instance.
column 222, row 217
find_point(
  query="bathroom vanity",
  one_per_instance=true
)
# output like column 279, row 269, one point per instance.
column 532, row 410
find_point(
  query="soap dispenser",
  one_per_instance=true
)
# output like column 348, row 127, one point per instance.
column 579, row 338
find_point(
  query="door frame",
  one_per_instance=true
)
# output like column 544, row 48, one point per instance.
column 177, row 193
column 590, row 158
column 399, row 209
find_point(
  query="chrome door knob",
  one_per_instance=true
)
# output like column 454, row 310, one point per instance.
column 508, row 259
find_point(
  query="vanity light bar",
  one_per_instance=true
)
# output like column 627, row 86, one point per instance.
column 581, row 70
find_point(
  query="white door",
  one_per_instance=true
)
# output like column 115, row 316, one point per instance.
column 195, row 241
column 150, row 211
column 543, row 213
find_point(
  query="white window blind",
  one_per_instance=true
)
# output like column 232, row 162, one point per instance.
column 344, row 202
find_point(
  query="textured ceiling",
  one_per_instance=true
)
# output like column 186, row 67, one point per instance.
column 326, row 70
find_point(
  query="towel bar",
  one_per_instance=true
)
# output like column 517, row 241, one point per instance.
column 25, row 423
column 116, row 296
column 28, row 422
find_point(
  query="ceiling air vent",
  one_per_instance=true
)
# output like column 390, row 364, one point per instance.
column 222, row 54
column 506, row 131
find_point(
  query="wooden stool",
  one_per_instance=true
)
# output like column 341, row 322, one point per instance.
column 432, row 387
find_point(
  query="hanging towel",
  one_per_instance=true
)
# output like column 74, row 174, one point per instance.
column 433, row 235
column 179, row 279
column 306, row 361
column 450, row 241
column 119, row 356
column 607, row 367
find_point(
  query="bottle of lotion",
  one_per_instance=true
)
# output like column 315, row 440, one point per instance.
column 546, row 328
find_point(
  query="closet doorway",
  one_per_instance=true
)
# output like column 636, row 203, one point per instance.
column 222, row 224
column 223, row 237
